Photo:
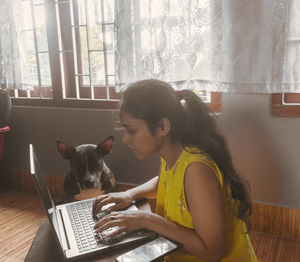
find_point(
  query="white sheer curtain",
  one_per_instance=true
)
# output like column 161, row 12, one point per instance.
column 13, row 71
column 213, row 45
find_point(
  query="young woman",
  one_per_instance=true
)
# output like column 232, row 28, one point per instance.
column 201, row 201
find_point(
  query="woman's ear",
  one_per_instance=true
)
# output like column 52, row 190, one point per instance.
column 164, row 126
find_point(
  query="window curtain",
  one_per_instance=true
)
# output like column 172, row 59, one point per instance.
column 249, row 46
column 13, row 70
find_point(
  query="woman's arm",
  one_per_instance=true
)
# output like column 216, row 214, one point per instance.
column 124, row 199
column 207, row 239
column 147, row 190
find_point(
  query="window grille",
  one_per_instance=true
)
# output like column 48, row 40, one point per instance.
column 91, row 50
column 71, row 59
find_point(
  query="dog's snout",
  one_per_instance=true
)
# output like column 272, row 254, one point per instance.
column 88, row 184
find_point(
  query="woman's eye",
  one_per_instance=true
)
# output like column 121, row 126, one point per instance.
column 130, row 131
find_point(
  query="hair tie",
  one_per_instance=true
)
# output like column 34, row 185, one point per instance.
column 179, row 94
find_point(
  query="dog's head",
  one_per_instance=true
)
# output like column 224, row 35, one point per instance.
column 86, row 162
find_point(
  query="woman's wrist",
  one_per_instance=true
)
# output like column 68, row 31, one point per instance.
column 130, row 194
column 146, row 220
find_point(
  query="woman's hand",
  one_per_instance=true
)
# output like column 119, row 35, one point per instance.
column 122, row 200
column 125, row 220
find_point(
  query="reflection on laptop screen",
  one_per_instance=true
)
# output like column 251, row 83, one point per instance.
column 42, row 185
column 42, row 188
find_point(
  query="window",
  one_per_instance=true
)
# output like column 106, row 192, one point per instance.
column 70, row 55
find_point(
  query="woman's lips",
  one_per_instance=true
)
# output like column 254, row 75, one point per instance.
column 132, row 149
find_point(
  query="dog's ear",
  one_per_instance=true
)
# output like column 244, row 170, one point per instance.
column 65, row 150
column 105, row 146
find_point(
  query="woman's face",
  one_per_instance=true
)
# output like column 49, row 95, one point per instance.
column 139, row 138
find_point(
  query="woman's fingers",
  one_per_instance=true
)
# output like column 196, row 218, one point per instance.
column 117, row 206
column 105, row 223
column 100, row 202
column 127, row 220
column 117, row 232
column 120, row 199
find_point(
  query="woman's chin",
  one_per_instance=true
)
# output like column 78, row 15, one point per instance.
column 139, row 156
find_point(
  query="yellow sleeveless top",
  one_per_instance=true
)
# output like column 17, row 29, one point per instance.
column 171, row 204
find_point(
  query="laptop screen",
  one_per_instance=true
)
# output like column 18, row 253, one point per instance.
column 43, row 191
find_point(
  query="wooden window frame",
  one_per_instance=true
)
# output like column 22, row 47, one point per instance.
column 279, row 109
column 215, row 105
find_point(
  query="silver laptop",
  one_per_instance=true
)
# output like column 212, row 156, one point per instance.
column 72, row 223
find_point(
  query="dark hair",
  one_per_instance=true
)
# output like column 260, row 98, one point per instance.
column 192, row 125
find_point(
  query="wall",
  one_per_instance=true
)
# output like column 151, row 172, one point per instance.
column 264, row 148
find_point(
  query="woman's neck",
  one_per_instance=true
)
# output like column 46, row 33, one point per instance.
column 170, row 153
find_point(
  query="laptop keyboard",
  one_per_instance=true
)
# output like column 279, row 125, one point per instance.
column 82, row 222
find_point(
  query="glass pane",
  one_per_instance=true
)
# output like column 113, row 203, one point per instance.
column 97, row 68
column 42, row 39
column 94, row 12
column 111, row 81
column 83, row 55
column 40, row 23
column 109, row 7
column 85, row 80
column 45, row 69
column 30, row 66
column 28, row 44
column 24, row 19
column 79, row 10
column 38, row 2
column 96, row 41
column 110, row 63
column 109, row 37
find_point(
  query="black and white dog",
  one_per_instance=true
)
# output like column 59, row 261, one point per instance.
column 88, row 169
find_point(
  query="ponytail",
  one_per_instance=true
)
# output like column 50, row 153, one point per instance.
column 200, row 130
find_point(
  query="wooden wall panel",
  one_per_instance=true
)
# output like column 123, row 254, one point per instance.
column 22, row 180
column 276, row 220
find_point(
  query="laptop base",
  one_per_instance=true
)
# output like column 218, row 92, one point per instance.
column 45, row 249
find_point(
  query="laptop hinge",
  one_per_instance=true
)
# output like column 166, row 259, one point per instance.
column 64, row 237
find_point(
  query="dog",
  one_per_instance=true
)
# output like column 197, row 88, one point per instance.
column 87, row 167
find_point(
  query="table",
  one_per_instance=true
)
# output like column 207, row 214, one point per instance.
column 44, row 247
